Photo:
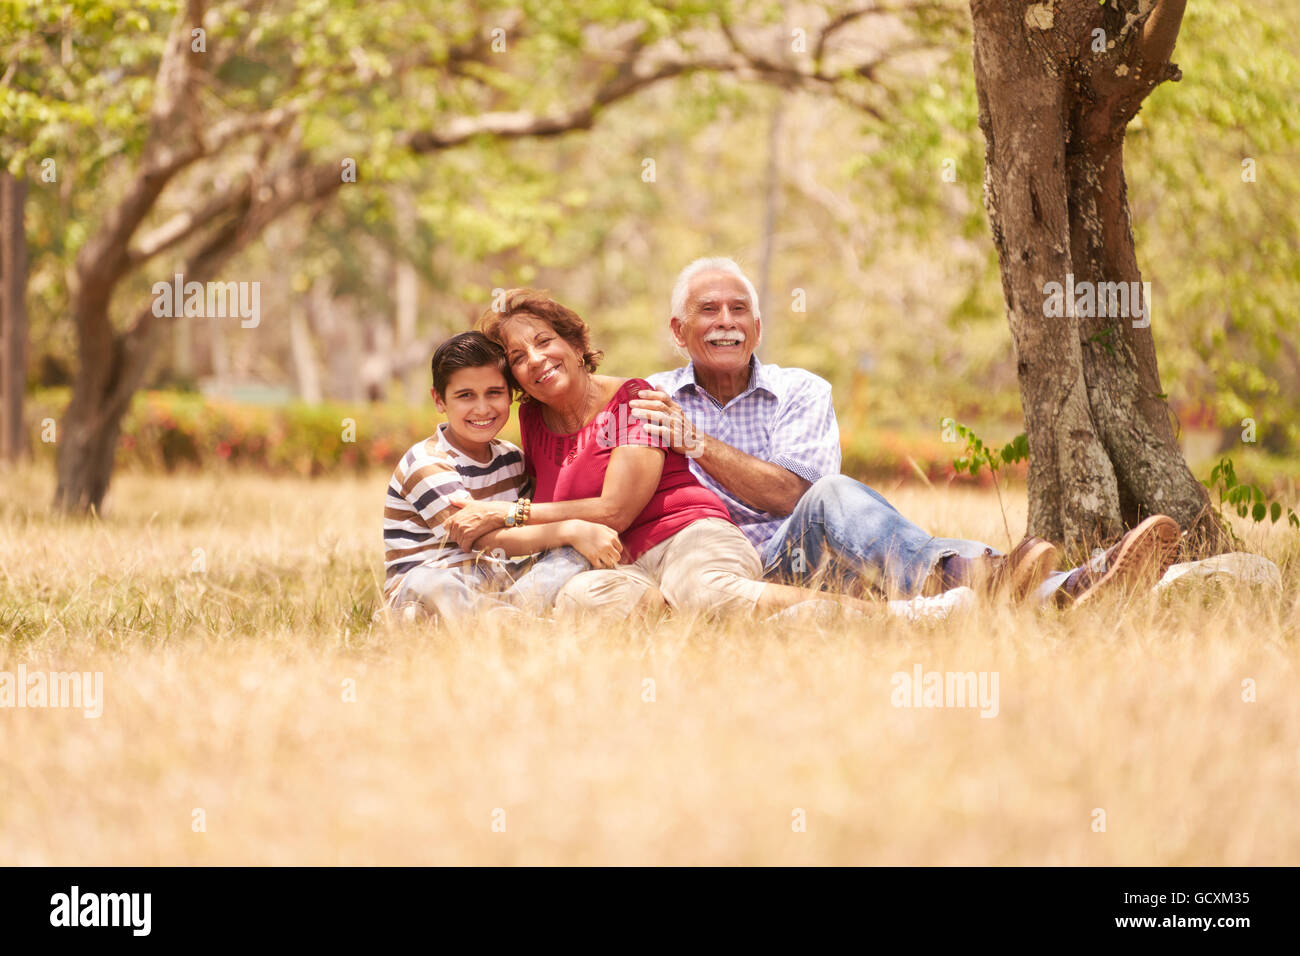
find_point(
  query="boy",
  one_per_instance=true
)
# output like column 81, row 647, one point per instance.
column 425, row 570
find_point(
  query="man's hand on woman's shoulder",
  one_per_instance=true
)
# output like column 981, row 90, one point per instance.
column 665, row 420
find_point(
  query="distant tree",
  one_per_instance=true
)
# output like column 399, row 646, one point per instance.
column 13, row 315
column 1058, row 84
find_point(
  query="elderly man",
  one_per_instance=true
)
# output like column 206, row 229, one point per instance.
column 765, row 439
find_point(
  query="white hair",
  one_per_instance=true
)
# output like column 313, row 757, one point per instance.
column 682, row 287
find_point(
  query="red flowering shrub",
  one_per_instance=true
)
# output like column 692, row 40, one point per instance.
column 176, row 430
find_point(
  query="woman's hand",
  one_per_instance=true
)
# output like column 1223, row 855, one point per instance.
column 598, row 543
column 474, row 519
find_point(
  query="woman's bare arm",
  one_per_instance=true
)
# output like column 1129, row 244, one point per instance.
column 597, row 543
column 529, row 539
column 630, row 482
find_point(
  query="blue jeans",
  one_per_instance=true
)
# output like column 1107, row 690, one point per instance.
column 858, row 534
column 456, row 592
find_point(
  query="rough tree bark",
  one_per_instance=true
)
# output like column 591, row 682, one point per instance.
column 1058, row 83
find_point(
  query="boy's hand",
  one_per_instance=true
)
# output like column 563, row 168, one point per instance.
column 473, row 519
column 598, row 543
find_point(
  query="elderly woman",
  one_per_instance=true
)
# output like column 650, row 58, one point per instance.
column 590, row 459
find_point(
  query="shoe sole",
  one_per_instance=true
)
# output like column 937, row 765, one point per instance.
column 1032, row 569
column 1151, row 548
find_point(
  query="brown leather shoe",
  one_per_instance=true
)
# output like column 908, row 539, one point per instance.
column 1017, row 574
column 1028, row 564
column 1139, row 559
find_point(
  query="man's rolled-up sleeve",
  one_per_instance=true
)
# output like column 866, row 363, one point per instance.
column 806, row 437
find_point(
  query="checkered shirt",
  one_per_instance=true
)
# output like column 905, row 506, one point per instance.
column 785, row 416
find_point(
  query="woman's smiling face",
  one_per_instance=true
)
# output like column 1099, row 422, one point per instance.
column 542, row 362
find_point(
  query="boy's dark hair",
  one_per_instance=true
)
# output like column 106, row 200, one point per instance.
column 467, row 350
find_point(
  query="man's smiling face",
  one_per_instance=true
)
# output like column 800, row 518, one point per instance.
column 719, row 329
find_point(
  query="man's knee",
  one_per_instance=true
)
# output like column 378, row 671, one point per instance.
column 841, row 495
column 835, row 495
column 443, row 591
column 834, row 488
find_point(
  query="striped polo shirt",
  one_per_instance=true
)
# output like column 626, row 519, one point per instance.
column 429, row 475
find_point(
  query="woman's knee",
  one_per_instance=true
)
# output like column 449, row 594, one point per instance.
column 711, row 592
column 602, row 590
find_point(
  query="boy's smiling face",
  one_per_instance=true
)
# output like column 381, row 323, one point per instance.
column 477, row 405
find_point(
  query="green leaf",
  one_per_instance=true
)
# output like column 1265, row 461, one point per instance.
column 1259, row 511
column 1276, row 511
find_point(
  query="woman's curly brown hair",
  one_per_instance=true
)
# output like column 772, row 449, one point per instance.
column 567, row 324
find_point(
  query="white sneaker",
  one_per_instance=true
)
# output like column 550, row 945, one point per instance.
column 815, row 611
column 935, row 608
column 412, row 612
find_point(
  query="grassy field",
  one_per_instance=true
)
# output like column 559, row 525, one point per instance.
column 242, row 677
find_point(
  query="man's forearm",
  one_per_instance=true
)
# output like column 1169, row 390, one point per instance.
column 760, row 484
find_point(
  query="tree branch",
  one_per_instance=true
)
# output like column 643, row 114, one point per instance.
column 183, row 225
column 1159, row 34
column 842, row 20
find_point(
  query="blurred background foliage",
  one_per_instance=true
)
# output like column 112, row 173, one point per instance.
column 869, row 212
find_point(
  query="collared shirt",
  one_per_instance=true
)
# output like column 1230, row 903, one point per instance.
column 784, row 416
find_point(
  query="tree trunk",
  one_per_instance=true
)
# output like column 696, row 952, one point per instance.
column 1072, row 491
column 13, row 316
column 305, row 367
column 1119, row 359
column 112, row 367
column 1058, row 85
column 771, row 198
column 406, row 288
column 86, row 447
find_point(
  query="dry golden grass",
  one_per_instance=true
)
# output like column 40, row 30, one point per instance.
column 224, row 690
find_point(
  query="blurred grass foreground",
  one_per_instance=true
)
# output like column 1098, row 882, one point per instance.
column 252, row 713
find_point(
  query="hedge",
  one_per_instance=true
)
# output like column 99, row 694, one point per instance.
column 167, row 431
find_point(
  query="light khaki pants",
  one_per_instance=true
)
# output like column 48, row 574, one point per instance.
column 708, row 567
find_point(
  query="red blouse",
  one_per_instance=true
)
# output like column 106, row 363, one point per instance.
column 569, row 467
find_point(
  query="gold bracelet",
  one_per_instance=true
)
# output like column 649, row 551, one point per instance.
column 525, row 506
